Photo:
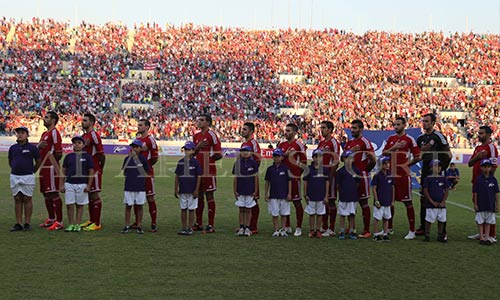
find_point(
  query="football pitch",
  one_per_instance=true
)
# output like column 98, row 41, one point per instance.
column 108, row 265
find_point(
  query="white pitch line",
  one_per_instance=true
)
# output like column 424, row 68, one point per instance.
column 458, row 204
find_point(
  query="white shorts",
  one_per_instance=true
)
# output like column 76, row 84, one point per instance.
column 134, row 198
column 315, row 208
column 346, row 208
column 187, row 201
column 384, row 212
column 245, row 201
column 433, row 214
column 485, row 217
column 75, row 194
column 278, row 207
column 22, row 183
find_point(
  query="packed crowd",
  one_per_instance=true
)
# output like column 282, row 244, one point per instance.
column 234, row 74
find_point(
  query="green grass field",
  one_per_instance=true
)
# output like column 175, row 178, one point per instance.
column 108, row 265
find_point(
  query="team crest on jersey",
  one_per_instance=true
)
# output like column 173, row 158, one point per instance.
column 491, row 185
column 431, row 142
column 282, row 173
column 440, row 184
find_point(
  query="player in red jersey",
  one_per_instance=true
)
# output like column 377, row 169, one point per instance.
column 486, row 150
column 364, row 161
column 50, row 146
column 208, row 150
column 296, row 161
column 247, row 132
column 150, row 153
column 399, row 147
column 93, row 146
column 331, row 153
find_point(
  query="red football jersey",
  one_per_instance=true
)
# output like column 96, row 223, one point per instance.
column 255, row 148
column 213, row 146
column 331, row 151
column 403, row 154
column 151, row 151
column 54, row 145
column 299, row 156
column 361, row 155
column 93, row 146
column 492, row 153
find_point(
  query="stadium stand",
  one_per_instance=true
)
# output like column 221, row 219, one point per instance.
column 170, row 73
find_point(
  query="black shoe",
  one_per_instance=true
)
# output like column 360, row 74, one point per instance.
column 27, row 227
column 488, row 243
column 386, row 238
column 209, row 229
column 125, row 229
column 139, row 230
column 427, row 239
column 442, row 239
column 16, row 227
column 154, row 228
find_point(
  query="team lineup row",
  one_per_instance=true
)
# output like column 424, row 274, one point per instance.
column 321, row 183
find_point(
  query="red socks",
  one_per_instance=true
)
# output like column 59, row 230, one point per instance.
column 410, row 212
column 255, row 217
column 152, row 211
column 333, row 216
column 211, row 211
column 299, row 212
column 199, row 210
column 392, row 217
column 58, row 209
column 332, row 213
column 366, row 218
column 97, row 207
column 91, row 211
column 49, row 204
